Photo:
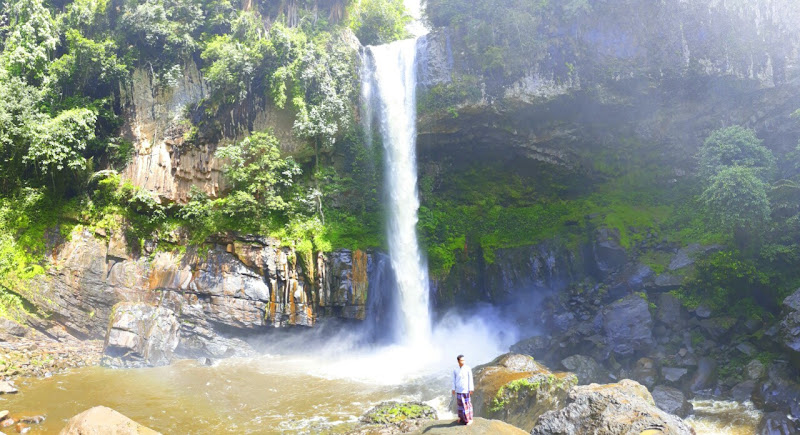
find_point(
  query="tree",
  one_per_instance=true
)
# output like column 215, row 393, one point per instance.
column 32, row 36
column 737, row 199
column 735, row 146
column 259, row 178
column 378, row 22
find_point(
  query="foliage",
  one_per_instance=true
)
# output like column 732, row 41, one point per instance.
column 377, row 22
column 260, row 179
column 164, row 30
column 737, row 199
column 57, row 142
column 735, row 146
column 31, row 39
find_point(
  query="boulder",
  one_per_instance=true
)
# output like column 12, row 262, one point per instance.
column 631, row 279
column 780, row 391
column 627, row 324
column 671, row 400
column 533, row 346
column 743, row 391
column 516, row 389
column 622, row 408
column 608, row 253
column 102, row 420
column 667, row 281
column 790, row 326
column 141, row 335
column 7, row 387
column 586, row 369
column 718, row 327
column 777, row 423
column 674, row 375
column 670, row 311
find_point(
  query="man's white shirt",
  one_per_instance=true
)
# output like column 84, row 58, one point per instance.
column 462, row 379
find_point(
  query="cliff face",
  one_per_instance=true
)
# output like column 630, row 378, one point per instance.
column 240, row 286
column 665, row 73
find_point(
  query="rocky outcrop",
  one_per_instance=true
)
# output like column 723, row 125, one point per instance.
column 141, row 335
column 671, row 400
column 212, row 296
column 516, row 389
column 622, row 408
column 790, row 325
column 103, row 420
column 396, row 412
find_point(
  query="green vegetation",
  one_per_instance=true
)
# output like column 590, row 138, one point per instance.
column 378, row 22
column 396, row 412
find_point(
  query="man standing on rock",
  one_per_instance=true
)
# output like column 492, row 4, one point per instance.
column 463, row 386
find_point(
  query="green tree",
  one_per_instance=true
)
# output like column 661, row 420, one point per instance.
column 737, row 200
column 260, row 179
column 378, row 22
column 31, row 39
column 735, row 146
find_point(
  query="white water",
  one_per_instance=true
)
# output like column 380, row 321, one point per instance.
column 394, row 79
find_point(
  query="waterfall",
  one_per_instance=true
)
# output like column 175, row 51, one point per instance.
column 393, row 82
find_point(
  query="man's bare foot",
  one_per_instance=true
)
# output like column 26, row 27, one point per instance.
column 469, row 422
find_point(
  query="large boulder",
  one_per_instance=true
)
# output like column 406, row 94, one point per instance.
column 777, row 423
column 624, row 408
column 627, row 324
column 516, row 389
column 780, row 391
column 140, row 335
column 671, row 400
column 101, row 420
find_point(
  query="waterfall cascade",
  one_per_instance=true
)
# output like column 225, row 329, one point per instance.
column 392, row 80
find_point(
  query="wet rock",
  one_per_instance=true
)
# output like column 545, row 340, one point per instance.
column 586, row 369
column 7, row 388
column 755, row 370
column 777, row 423
column 534, row 346
column 3, row 415
column 22, row 428
column 622, row 408
column 141, row 335
column 103, row 420
column 516, row 389
column 8, row 422
column 628, row 325
column 674, row 375
column 35, row 419
column 608, row 253
column 790, row 325
column 705, row 376
column 685, row 257
column 396, row 412
column 671, row 400
column 780, row 391
column 743, row 391
column 631, row 279
column 667, row 281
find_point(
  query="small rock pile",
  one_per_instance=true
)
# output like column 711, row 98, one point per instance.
column 44, row 357
column 21, row 424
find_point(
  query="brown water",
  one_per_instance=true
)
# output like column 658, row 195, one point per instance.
column 270, row 394
column 264, row 395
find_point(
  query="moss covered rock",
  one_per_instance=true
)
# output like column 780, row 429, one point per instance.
column 517, row 389
column 397, row 412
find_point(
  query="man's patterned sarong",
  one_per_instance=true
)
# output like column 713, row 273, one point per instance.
column 464, row 407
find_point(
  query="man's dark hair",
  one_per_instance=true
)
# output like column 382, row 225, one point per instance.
column 459, row 357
